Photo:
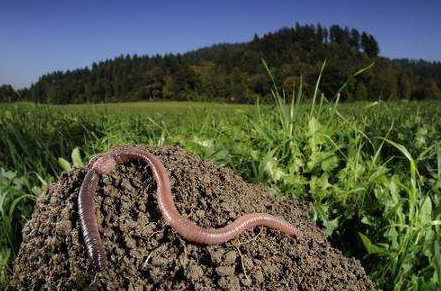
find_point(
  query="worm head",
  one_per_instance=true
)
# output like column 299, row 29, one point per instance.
column 104, row 164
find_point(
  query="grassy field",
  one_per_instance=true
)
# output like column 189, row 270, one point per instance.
column 371, row 171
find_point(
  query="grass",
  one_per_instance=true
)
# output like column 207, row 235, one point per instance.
column 371, row 171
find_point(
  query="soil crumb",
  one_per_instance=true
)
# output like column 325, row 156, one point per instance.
column 145, row 254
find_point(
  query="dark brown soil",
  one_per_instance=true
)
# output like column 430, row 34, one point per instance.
column 146, row 254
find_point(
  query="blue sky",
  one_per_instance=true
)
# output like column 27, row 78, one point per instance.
column 37, row 37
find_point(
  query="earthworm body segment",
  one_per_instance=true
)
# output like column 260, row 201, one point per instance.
column 188, row 230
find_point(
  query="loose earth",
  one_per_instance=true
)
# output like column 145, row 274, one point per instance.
column 145, row 254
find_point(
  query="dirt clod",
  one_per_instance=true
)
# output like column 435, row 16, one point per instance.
column 145, row 254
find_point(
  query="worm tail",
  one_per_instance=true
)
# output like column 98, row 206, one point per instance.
column 88, row 221
column 194, row 233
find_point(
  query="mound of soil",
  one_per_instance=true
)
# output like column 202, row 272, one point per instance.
column 145, row 254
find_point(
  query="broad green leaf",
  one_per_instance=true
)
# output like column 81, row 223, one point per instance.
column 36, row 190
column 370, row 247
column 9, row 175
column 76, row 157
column 330, row 226
column 392, row 235
column 426, row 211
column 272, row 168
column 366, row 220
column 65, row 165
column 330, row 164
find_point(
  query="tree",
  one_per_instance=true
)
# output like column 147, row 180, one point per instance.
column 256, row 38
column 227, row 70
column 369, row 45
column 338, row 35
column 152, row 84
column 7, row 94
column 354, row 39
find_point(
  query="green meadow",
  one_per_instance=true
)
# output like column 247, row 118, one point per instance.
column 370, row 171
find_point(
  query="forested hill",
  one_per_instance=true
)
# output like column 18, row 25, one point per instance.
column 234, row 72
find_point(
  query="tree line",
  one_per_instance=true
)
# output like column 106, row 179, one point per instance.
column 233, row 72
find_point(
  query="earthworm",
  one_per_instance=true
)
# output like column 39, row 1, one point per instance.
column 187, row 229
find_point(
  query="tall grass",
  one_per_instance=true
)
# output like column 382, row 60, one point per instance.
column 371, row 171
column 357, row 185
column 17, row 197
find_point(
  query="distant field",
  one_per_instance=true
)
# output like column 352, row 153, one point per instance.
column 141, row 108
column 372, row 171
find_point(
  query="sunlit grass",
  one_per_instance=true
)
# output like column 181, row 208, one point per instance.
column 371, row 171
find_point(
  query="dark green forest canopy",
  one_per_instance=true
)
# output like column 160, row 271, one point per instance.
column 234, row 72
column 8, row 94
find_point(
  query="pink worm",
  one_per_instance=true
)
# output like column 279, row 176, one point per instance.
column 188, row 230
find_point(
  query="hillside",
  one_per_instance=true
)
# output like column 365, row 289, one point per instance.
column 234, row 72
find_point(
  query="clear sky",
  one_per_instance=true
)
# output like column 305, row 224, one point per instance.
column 37, row 37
